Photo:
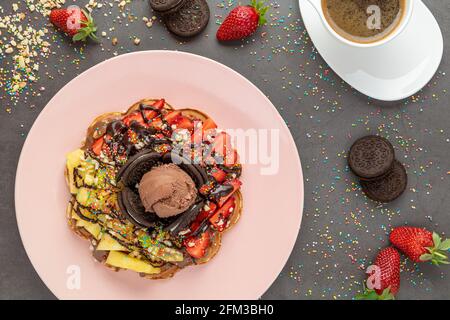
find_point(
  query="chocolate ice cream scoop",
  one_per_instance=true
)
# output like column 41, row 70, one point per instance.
column 167, row 190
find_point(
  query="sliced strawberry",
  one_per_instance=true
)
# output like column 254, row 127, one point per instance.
column 159, row 104
column 184, row 123
column 236, row 183
column 97, row 146
column 159, row 136
column 202, row 216
column 232, row 158
column 156, row 123
column 212, row 208
column 197, row 137
column 194, row 226
column 221, row 143
column 209, row 124
column 222, row 147
column 134, row 116
column 218, row 174
column 206, row 188
column 217, row 148
column 219, row 219
column 149, row 114
column 172, row 117
column 196, row 246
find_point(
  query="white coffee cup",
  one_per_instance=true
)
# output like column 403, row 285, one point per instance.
column 398, row 30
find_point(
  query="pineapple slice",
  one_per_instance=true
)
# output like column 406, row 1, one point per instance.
column 89, row 172
column 122, row 260
column 84, row 196
column 96, row 199
column 108, row 243
column 87, row 213
column 93, row 228
column 75, row 215
column 74, row 159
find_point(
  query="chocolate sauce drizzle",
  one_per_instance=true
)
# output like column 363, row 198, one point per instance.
column 134, row 163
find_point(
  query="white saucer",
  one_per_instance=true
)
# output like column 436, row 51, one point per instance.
column 391, row 72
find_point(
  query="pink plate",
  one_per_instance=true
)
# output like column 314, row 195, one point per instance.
column 252, row 253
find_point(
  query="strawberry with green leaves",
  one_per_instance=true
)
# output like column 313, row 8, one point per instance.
column 421, row 245
column 74, row 22
column 388, row 262
column 243, row 21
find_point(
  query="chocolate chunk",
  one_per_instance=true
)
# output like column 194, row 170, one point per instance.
column 389, row 187
column 371, row 157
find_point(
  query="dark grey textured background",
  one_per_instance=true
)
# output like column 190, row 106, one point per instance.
column 341, row 229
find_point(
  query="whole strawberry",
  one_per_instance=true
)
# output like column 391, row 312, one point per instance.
column 388, row 262
column 242, row 21
column 74, row 22
column 420, row 244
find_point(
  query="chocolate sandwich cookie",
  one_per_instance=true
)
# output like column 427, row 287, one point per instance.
column 389, row 187
column 166, row 6
column 191, row 19
column 371, row 157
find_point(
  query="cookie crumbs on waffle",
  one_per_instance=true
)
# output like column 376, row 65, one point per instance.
column 105, row 209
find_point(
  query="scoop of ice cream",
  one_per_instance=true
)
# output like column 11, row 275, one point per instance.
column 167, row 190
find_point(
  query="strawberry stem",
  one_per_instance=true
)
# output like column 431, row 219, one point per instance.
column 369, row 294
column 261, row 9
column 438, row 253
column 88, row 31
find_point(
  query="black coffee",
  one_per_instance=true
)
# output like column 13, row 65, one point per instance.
column 364, row 20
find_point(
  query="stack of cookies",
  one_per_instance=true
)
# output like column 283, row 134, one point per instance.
column 184, row 18
column 382, row 177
